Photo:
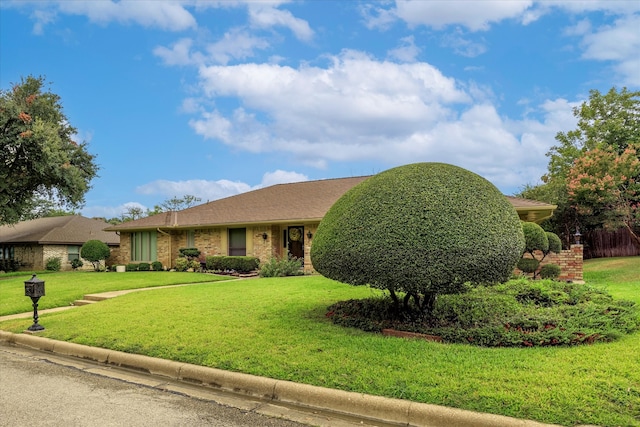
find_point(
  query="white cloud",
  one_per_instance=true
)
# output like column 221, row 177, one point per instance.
column 178, row 54
column 206, row 190
column 281, row 177
column 166, row 15
column 108, row 212
column 406, row 52
column 213, row 190
column 474, row 15
column 236, row 44
column 620, row 43
column 376, row 17
column 359, row 109
column 264, row 15
column 463, row 45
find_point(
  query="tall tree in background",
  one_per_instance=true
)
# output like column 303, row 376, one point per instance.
column 177, row 204
column 593, row 173
column 39, row 159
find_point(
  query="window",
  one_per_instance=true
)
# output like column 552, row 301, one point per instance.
column 144, row 246
column 238, row 241
column 73, row 252
column 191, row 238
column 7, row 252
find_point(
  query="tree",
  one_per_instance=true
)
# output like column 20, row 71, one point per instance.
column 39, row 158
column 422, row 229
column 537, row 241
column 611, row 120
column 608, row 128
column 95, row 251
column 604, row 187
column 176, row 204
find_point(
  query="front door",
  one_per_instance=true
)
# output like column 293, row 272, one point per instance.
column 296, row 242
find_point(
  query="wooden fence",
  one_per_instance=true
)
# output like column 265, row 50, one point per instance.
column 605, row 244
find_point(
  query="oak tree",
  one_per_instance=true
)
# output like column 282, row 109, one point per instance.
column 39, row 158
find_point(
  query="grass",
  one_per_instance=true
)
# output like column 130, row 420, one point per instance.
column 62, row 289
column 277, row 328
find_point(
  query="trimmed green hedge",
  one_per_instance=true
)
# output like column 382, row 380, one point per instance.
column 424, row 228
column 240, row 264
column 535, row 238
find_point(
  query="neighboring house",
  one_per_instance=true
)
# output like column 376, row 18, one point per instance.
column 33, row 242
column 271, row 221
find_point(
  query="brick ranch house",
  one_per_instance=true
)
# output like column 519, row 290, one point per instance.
column 263, row 223
column 33, row 242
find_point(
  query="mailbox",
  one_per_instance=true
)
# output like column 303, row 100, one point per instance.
column 34, row 287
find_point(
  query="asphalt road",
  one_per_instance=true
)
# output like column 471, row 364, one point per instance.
column 40, row 389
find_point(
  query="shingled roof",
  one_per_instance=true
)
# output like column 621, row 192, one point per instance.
column 59, row 230
column 305, row 201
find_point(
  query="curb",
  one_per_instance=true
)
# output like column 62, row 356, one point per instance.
column 343, row 403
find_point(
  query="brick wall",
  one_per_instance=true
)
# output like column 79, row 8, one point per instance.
column 570, row 262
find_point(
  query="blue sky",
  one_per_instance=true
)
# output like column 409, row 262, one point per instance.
column 213, row 98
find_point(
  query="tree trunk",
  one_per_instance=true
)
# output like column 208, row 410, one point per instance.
column 429, row 302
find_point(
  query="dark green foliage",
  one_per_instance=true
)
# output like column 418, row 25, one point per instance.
column 53, row 264
column 239, row 264
column 423, row 229
column 131, row 267
column 281, row 267
column 95, row 251
column 156, row 266
column 535, row 238
column 76, row 263
column 550, row 271
column 144, row 266
column 555, row 244
column 528, row 265
column 39, row 160
column 538, row 241
column 8, row 265
column 189, row 253
column 515, row 314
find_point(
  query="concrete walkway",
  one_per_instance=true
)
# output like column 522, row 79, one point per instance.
column 370, row 410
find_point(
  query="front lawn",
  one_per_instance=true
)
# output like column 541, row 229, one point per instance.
column 278, row 328
column 62, row 289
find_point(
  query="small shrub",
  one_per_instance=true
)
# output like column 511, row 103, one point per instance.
column 281, row 267
column 131, row 267
column 535, row 238
column 156, row 266
column 550, row 271
column 528, row 265
column 95, row 251
column 240, row 264
column 555, row 244
column 76, row 263
column 144, row 266
column 195, row 265
column 8, row 265
column 189, row 253
column 182, row 264
column 53, row 264
column 519, row 313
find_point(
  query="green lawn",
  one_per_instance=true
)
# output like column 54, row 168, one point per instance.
column 62, row 289
column 277, row 328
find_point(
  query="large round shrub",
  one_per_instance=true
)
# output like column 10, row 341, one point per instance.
column 95, row 251
column 423, row 229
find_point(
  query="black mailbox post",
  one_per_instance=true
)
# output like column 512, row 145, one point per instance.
column 34, row 289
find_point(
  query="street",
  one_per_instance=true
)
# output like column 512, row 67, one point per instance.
column 38, row 388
